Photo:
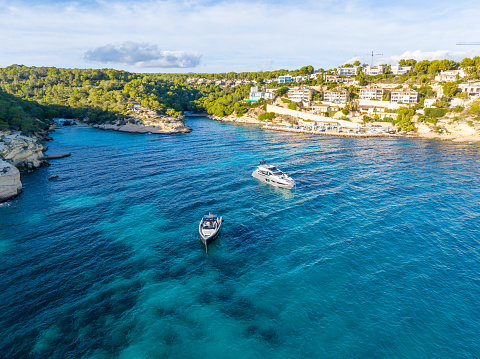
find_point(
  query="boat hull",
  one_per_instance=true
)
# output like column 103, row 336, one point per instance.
column 209, row 238
column 272, row 181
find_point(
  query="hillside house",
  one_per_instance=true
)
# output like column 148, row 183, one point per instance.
column 347, row 71
column 371, row 92
column 428, row 103
column 450, row 75
column 376, row 70
column 472, row 90
column 405, row 95
column 299, row 94
column 256, row 95
column 400, row 70
column 337, row 95
column 371, row 111
column 285, row 79
column 323, row 107
column 333, row 78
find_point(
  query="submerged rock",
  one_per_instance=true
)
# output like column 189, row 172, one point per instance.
column 10, row 185
column 57, row 156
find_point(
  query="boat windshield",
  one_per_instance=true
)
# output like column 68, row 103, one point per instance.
column 278, row 173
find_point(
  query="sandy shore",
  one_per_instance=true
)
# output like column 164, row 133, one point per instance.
column 234, row 118
column 431, row 136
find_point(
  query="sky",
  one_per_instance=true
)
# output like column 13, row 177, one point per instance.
column 204, row 36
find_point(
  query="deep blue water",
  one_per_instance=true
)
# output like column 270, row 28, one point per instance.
column 375, row 255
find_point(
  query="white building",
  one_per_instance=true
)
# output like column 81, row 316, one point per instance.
column 471, row 89
column 322, row 107
column 256, row 95
column 450, row 75
column 333, row 78
column 338, row 95
column 371, row 111
column 428, row 103
column 340, row 80
column 371, row 92
column 400, row 70
column 376, row 70
column 405, row 95
column 298, row 94
column 301, row 78
column 347, row 71
column 285, row 79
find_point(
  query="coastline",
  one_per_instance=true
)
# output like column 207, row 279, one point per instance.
column 233, row 118
column 329, row 133
column 19, row 153
column 132, row 128
column 459, row 137
column 426, row 136
column 164, row 125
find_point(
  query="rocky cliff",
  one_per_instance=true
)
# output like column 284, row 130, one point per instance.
column 25, row 153
column 17, row 153
column 10, row 184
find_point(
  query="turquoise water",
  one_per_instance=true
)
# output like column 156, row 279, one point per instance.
column 375, row 255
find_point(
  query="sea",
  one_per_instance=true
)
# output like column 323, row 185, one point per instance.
column 374, row 254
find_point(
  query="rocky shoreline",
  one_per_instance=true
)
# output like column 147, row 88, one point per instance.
column 166, row 125
column 20, row 153
column 146, row 121
column 10, row 184
column 247, row 118
column 446, row 130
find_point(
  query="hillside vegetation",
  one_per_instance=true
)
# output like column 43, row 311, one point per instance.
column 31, row 96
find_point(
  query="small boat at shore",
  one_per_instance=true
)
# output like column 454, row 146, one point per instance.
column 209, row 228
column 271, row 175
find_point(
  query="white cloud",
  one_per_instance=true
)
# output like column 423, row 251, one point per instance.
column 427, row 55
column 142, row 55
column 266, row 65
column 232, row 36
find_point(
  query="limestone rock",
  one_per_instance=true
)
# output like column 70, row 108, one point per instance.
column 10, row 184
column 23, row 152
column 164, row 125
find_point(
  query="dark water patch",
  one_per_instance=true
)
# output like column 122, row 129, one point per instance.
column 268, row 335
column 239, row 309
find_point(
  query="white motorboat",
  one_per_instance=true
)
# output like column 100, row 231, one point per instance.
column 271, row 175
column 209, row 228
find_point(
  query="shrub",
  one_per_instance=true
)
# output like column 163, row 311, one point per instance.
column 266, row 116
column 474, row 107
column 3, row 126
column 435, row 112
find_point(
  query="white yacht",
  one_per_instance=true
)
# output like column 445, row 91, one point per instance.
column 272, row 175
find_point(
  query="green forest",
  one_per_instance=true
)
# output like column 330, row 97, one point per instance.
column 31, row 96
